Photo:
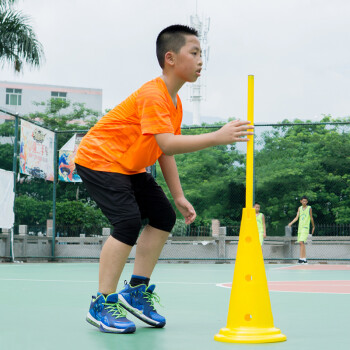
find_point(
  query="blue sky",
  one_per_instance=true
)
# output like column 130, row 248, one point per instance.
column 298, row 51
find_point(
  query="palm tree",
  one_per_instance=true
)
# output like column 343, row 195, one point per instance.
column 18, row 42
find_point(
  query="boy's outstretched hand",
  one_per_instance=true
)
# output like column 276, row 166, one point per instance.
column 235, row 131
column 186, row 209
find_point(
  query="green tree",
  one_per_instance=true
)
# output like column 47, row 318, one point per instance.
column 18, row 42
column 74, row 218
column 298, row 160
column 342, row 211
column 6, row 156
column 29, row 211
column 213, row 181
column 6, row 149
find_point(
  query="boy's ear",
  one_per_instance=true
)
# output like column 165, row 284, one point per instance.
column 170, row 58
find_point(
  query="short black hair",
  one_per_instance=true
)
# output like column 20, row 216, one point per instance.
column 304, row 197
column 172, row 38
column 257, row 203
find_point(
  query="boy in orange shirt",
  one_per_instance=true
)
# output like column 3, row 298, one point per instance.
column 111, row 161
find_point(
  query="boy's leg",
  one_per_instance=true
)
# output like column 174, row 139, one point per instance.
column 105, row 310
column 112, row 261
column 302, row 250
column 302, row 237
column 114, row 195
column 137, row 297
column 148, row 249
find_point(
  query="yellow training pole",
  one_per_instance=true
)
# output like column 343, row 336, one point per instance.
column 250, row 146
column 249, row 317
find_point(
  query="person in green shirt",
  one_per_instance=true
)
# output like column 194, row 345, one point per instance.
column 304, row 215
column 260, row 219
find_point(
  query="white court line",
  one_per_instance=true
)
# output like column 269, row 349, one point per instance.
column 206, row 283
column 222, row 285
column 314, row 265
column 284, row 267
column 77, row 281
column 37, row 280
column 286, row 291
column 159, row 266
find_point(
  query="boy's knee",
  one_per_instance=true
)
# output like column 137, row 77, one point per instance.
column 127, row 231
column 165, row 221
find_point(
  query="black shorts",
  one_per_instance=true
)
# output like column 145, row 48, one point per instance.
column 128, row 199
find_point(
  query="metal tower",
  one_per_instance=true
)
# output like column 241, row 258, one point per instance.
column 197, row 89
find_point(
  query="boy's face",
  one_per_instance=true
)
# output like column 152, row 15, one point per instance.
column 257, row 208
column 304, row 202
column 188, row 61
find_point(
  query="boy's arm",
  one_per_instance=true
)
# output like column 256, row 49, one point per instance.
column 295, row 219
column 235, row 131
column 312, row 222
column 171, row 176
column 264, row 226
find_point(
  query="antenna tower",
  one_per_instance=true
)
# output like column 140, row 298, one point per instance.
column 197, row 89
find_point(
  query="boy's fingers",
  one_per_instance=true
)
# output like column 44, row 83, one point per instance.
column 241, row 123
column 244, row 127
column 245, row 133
column 242, row 140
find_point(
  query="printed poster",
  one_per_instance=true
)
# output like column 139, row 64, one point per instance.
column 66, row 165
column 36, row 151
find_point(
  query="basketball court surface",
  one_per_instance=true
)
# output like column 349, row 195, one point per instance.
column 43, row 306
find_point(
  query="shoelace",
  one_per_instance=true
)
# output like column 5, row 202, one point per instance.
column 151, row 298
column 115, row 310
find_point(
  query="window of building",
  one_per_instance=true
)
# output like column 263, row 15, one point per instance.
column 59, row 95
column 14, row 97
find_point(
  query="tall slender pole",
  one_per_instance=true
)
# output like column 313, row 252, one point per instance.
column 250, row 146
column 14, row 169
column 54, row 196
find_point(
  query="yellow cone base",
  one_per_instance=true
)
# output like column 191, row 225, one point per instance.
column 250, row 335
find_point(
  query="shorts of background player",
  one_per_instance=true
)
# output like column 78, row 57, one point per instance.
column 127, row 199
column 303, row 234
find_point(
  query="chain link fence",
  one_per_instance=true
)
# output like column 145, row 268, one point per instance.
column 290, row 160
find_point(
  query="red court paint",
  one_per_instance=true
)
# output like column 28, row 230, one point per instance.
column 333, row 287
column 318, row 267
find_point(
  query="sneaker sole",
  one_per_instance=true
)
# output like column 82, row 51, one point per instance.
column 92, row 320
column 137, row 313
column 106, row 329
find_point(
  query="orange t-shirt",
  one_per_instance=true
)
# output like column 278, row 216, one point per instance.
column 123, row 140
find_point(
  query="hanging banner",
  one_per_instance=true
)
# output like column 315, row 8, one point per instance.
column 7, row 197
column 66, row 165
column 36, row 152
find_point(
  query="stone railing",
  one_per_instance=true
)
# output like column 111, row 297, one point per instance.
column 219, row 248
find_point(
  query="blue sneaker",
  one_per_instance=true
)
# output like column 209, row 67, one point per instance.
column 139, row 301
column 107, row 315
